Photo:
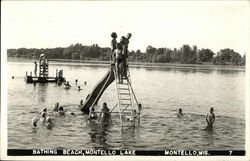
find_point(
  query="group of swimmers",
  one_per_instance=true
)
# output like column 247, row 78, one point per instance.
column 47, row 118
column 119, row 55
column 68, row 86
column 210, row 117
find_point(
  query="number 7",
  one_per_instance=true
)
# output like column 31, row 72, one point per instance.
column 230, row 152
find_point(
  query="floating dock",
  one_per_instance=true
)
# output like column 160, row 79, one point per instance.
column 44, row 73
column 33, row 79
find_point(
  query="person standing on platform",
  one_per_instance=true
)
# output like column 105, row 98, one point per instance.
column 113, row 46
column 125, row 42
column 119, row 62
column 35, row 70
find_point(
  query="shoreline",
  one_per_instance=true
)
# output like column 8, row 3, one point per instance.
column 140, row 64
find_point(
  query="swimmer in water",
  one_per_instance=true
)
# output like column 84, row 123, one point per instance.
column 105, row 112
column 92, row 114
column 210, row 118
column 133, row 117
column 180, row 113
column 67, row 85
column 49, row 121
column 43, row 117
column 79, row 88
column 44, row 110
column 81, row 104
column 34, row 121
column 61, row 111
column 76, row 81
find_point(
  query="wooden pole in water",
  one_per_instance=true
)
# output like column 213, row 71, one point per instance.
column 26, row 73
column 31, row 74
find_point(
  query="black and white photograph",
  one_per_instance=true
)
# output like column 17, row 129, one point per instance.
column 119, row 79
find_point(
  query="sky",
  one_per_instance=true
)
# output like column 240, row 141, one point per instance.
column 48, row 24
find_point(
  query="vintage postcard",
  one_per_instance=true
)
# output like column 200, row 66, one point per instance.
column 138, row 80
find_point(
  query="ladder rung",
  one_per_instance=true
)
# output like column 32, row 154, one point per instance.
column 127, row 110
column 123, row 88
column 124, row 93
column 123, row 84
column 125, row 99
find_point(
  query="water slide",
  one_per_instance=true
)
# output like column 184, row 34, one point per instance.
column 97, row 92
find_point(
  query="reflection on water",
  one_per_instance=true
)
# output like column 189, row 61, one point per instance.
column 41, row 92
column 208, row 135
column 162, row 91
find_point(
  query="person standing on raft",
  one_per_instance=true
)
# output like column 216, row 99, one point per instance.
column 35, row 70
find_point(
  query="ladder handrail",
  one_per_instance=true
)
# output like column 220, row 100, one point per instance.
column 131, row 87
column 133, row 93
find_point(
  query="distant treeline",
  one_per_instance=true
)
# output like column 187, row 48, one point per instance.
column 185, row 54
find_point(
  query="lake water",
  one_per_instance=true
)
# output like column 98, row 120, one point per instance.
column 161, row 91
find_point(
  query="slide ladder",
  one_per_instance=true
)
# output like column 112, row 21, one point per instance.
column 125, row 96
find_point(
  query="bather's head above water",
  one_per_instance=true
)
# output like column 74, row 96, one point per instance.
column 43, row 114
column 211, row 110
column 44, row 109
column 81, row 102
column 61, row 111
